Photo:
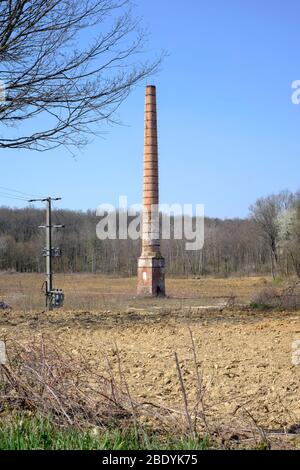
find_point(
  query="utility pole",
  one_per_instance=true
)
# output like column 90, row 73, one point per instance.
column 54, row 297
column 49, row 274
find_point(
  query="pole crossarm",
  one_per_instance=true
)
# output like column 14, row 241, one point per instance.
column 51, row 226
column 46, row 199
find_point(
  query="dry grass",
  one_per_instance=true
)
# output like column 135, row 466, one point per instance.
column 46, row 380
column 84, row 291
column 285, row 298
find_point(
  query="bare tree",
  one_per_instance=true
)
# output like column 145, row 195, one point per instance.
column 265, row 212
column 289, row 236
column 66, row 65
column 295, row 241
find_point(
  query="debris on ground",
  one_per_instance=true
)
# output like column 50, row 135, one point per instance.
column 4, row 306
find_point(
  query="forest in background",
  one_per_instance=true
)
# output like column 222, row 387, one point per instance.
column 268, row 241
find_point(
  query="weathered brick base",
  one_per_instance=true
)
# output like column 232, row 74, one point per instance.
column 151, row 277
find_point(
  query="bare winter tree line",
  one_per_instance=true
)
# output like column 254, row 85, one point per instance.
column 268, row 241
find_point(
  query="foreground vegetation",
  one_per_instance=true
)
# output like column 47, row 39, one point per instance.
column 34, row 433
column 49, row 401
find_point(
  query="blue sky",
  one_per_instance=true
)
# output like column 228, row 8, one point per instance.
column 228, row 131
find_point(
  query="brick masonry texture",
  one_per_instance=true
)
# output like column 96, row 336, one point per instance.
column 151, row 264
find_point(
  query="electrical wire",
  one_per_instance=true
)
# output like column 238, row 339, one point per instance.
column 19, row 192
column 9, row 196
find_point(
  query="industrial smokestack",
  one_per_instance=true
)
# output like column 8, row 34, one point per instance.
column 151, row 265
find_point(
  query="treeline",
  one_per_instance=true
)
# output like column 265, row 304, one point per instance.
column 266, row 242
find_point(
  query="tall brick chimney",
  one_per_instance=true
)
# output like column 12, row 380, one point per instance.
column 151, row 265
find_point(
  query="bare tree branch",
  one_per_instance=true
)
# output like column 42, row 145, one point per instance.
column 66, row 66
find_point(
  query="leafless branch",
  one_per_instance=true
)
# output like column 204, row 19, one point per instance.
column 66, row 66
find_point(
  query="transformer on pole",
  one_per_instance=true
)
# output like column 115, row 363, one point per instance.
column 54, row 297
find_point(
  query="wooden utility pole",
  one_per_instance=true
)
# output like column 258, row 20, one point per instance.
column 54, row 298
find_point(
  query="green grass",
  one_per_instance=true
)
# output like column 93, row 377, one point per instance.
column 260, row 306
column 37, row 433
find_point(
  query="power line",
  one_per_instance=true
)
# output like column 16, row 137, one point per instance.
column 19, row 192
column 10, row 196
